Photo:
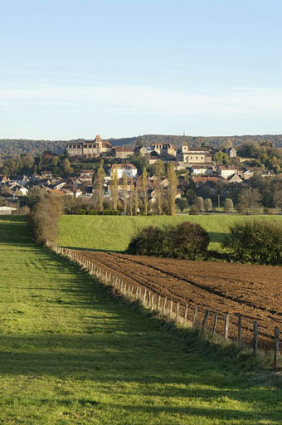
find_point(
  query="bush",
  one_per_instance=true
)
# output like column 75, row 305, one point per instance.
column 194, row 210
column 186, row 240
column 44, row 219
column 109, row 212
column 256, row 241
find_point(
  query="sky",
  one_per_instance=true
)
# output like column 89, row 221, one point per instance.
column 120, row 68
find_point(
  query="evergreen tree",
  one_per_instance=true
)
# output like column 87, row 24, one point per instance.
column 228, row 205
column 208, row 204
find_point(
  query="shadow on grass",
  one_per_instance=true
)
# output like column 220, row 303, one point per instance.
column 120, row 343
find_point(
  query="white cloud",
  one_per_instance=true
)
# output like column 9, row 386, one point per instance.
column 139, row 99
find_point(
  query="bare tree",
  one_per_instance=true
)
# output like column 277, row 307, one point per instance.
column 249, row 200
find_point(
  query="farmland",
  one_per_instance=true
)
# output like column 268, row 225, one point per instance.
column 71, row 353
column 252, row 291
column 113, row 233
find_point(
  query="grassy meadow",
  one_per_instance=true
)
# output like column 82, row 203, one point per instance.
column 70, row 353
column 113, row 233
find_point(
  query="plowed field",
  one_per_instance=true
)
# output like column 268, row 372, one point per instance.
column 255, row 292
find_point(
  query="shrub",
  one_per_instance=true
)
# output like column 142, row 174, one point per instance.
column 194, row 210
column 186, row 240
column 44, row 219
column 256, row 241
column 208, row 204
column 110, row 212
column 228, row 205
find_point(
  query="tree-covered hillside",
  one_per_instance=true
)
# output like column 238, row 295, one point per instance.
column 11, row 147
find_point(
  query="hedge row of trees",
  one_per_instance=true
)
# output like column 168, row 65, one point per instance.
column 186, row 240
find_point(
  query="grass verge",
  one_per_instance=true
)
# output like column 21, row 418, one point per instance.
column 72, row 354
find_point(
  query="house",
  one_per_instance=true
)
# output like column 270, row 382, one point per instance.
column 231, row 152
column 21, row 179
column 90, row 148
column 47, row 174
column 235, row 179
column 129, row 169
column 122, row 152
column 142, row 150
column 164, row 149
column 226, row 172
column 7, row 210
column 202, row 170
column 86, row 175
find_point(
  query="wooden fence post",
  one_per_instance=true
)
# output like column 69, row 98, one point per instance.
column 159, row 302
column 185, row 316
column 171, row 309
column 164, row 305
column 255, row 342
column 144, row 297
column 276, row 347
column 177, row 313
column 195, row 316
column 226, row 326
column 214, row 323
column 207, row 312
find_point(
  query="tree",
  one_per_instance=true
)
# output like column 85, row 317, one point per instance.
column 124, row 190
column 136, row 202
column 131, row 197
column 114, row 188
column 159, row 172
column 145, row 190
column 99, row 186
column 228, row 205
column 277, row 198
column 255, row 241
column 44, row 219
column 200, row 203
column 34, row 196
column 182, row 204
column 249, row 200
column 172, row 188
column 222, row 158
column 208, row 205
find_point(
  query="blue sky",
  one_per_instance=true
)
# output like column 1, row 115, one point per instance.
column 74, row 68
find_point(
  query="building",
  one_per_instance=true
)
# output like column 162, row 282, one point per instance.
column 226, row 172
column 193, row 156
column 122, row 152
column 129, row 169
column 231, row 152
column 164, row 149
column 89, row 148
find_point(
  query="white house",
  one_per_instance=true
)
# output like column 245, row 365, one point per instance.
column 226, row 172
column 129, row 169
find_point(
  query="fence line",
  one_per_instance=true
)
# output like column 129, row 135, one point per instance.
column 165, row 306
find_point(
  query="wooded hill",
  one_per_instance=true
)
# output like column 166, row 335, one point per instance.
column 11, row 147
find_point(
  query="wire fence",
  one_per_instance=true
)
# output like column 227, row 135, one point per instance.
column 190, row 314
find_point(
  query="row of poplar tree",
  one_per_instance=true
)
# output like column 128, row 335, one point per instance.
column 131, row 199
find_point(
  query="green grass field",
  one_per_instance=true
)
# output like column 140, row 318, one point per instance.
column 72, row 354
column 113, row 233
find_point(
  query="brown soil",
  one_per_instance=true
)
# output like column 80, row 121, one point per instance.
column 255, row 292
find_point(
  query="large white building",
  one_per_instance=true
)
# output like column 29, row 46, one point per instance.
column 90, row 148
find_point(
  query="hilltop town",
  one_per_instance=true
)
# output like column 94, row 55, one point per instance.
column 85, row 173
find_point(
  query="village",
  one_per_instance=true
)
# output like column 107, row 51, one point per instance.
column 200, row 172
